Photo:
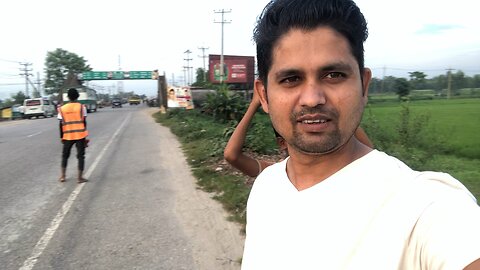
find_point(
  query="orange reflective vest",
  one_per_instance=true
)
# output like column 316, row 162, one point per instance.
column 73, row 125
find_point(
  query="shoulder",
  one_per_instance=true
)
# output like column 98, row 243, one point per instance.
column 447, row 227
column 270, row 175
column 441, row 186
column 273, row 168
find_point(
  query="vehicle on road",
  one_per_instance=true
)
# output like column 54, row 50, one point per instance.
column 134, row 100
column 17, row 111
column 116, row 103
column 36, row 107
column 87, row 96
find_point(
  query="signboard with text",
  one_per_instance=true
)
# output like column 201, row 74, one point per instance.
column 236, row 69
column 118, row 75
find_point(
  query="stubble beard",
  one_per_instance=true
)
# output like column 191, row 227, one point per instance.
column 316, row 143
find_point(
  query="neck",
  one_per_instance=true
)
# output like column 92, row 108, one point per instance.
column 307, row 170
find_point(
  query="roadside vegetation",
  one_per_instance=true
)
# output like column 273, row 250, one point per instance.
column 427, row 134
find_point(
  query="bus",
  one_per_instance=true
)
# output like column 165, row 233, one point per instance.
column 87, row 96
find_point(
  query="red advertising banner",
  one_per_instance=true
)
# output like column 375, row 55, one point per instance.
column 236, row 69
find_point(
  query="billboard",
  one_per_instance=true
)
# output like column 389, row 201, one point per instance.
column 236, row 69
column 179, row 97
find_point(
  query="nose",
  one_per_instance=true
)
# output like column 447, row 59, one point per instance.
column 312, row 95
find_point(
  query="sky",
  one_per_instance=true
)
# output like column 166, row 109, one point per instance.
column 404, row 35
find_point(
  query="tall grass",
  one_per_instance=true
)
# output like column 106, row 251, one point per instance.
column 456, row 123
column 438, row 135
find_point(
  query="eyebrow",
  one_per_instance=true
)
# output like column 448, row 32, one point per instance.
column 287, row 72
column 342, row 66
column 339, row 66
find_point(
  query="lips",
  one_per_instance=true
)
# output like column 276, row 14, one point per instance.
column 313, row 119
column 316, row 121
column 313, row 123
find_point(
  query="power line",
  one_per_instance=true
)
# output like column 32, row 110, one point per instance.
column 11, row 61
column 8, row 84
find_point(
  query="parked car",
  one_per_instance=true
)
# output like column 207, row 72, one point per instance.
column 17, row 111
column 36, row 107
column 116, row 103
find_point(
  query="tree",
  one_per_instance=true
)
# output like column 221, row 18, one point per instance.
column 374, row 86
column 388, row 84
column 19, row 97
column 458, row 81
column 58, row 64
column 417, row 79
column 201, row 75
column 402, row 87
column 476, row 81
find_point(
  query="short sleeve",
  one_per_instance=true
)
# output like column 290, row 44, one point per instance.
column 447, row 234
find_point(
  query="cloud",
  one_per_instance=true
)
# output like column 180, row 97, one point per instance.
column 436, row 29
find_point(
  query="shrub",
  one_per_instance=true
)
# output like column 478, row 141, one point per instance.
column 225, row 105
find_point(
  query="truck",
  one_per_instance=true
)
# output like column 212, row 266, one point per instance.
column 134, row 100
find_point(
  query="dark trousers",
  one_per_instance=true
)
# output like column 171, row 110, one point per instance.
column 67, row 147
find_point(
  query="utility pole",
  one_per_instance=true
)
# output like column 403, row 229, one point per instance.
column 449, row 84
column 204, row 56
column 119, row 82
column 221, row 55
column 383, row 79
column 188, row 67
column 26, row 73
column 35, row 93
column 185, row 76
column 39, row 83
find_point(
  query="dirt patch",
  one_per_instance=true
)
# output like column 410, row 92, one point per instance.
column 216, row 242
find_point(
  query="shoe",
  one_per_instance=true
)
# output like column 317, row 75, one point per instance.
column 82, row 180
column 61, row 179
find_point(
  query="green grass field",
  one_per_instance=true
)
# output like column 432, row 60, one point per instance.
column 456, row 120
column 456, row 123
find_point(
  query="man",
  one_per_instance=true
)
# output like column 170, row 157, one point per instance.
column 335, row 203
column 73, row 131
column 233, row 152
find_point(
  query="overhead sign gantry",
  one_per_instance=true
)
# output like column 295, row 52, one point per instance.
column 118, row 75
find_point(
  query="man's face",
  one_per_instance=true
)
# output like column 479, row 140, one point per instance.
column 314, row 95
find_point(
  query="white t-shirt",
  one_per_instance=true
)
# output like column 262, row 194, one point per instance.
column 375, row 213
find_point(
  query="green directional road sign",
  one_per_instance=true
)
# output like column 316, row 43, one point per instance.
column 94, row 75
column 140, row 75
column 116, row 75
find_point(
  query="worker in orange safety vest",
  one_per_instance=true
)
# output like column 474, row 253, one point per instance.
column 73, row 130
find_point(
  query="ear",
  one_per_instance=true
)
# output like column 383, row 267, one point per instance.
column 367, row 77
column 259, row 88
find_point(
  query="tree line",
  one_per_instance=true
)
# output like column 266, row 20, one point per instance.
column 59, row 63
column 417, row 80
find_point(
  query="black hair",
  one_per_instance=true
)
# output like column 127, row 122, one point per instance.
column 280, row 16
column 72, row 94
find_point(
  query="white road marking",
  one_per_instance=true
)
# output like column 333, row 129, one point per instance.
column 31, row 135
column 47, row 236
